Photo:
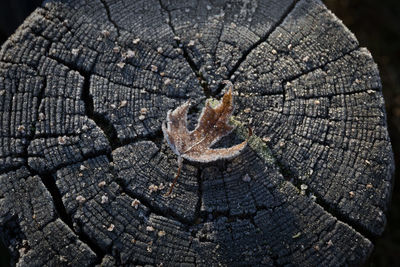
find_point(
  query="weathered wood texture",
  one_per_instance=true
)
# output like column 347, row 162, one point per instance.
column 85, row 86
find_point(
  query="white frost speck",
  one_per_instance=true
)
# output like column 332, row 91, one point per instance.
column 75, row 51
column 246, row 178
column 104, row 199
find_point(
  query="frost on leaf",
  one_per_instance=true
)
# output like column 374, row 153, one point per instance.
column 212, row 125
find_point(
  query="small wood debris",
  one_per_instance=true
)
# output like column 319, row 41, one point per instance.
column 153, row 188
column 167, row 81
column 135, row 203
column 80, row 199
column 369, row 186
column 116, row 49
column 130, row 54
column 306, row 58
column 274, row 52
column 105, row 33
column 143, row 111
column 316, row 247
column 104, row 199
column 329, row 243
column 41, row 116
column 179, row 50
column 62, row 140
column 191, row 43
column 136, row 41
column 289, row 46
column 21, row 128
column 113, row 106
column 149, row 228
column 246, row 178
column 142, row 117
column 266, row 139
column 303, row 188
column 177, row 38
column 153, row 68
column 351, row 194
column 111, row 227
column 121, row 65
column 370, row 92
column 368, row 162
column 317, row 102
column 101, row 184
column 123, row 103
column 161, row 233
column 247, row 110
column 296, row 235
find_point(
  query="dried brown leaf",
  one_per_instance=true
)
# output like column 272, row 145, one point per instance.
column 212, row 125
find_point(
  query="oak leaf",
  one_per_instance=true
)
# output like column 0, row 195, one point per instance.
column 212, row 125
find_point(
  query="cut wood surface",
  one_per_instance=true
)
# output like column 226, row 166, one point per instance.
column 86, row 85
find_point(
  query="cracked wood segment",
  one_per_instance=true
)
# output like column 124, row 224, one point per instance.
column 217, row 34
column 146, row 173
column 266, row 220
column 34, row 233
column 79, row 79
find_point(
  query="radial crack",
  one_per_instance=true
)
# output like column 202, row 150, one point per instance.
column 291, row 178
column 107, row 8
column 256, row 44
column 189, row 60
column 49, row 182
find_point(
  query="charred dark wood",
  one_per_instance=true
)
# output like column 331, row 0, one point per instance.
column 85, row 86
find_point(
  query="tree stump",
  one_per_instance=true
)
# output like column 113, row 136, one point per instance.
column 86, row 85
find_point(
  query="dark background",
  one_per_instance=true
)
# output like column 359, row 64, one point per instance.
column 377, row 27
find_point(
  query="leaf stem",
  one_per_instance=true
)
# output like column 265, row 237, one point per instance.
column 180, row 163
